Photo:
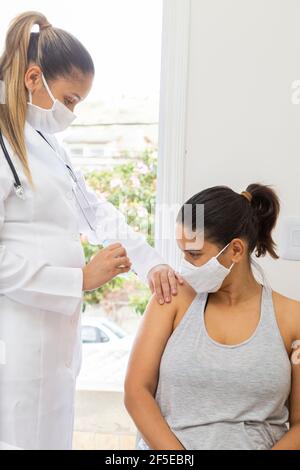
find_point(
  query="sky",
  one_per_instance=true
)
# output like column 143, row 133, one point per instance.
column 123, row 37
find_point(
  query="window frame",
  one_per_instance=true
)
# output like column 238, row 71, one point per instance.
column 172, row 125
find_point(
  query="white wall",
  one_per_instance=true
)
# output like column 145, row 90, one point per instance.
column 241, row 125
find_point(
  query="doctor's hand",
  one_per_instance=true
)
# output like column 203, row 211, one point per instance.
column 104, row 266
column 163, row 281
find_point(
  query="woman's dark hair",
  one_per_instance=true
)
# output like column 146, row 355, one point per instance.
column 229, row 215
column 58, row 53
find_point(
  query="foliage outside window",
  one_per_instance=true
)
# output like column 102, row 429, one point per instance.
column 131, row 187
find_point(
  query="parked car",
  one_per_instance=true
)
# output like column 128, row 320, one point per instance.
column 98, row 330
column 105, row 353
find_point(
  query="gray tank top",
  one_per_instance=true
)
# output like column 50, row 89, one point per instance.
column 216, row 396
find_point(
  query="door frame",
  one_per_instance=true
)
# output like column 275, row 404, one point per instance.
column 172, row 125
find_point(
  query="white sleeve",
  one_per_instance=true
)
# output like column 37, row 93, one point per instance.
column 110, row 224
column 39, row 285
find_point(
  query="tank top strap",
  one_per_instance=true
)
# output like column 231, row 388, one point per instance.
column 192, row 314
column 268, row 294
column 268, row 321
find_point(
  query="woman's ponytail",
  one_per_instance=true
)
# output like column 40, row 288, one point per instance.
column 13, row 65
column 265, row 210
column 54, row 50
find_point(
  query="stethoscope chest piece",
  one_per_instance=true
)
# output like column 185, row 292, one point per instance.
column 19, row 190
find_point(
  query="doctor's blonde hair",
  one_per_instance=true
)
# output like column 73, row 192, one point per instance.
column 56, row 51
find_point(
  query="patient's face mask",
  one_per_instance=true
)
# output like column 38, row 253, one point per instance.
column 50, row 121
column 206, row 278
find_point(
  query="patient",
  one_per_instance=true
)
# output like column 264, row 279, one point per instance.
column 216, row 368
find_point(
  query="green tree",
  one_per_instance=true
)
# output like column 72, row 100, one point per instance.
column 131, row 187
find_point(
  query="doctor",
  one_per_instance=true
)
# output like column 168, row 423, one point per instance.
column 44, row 206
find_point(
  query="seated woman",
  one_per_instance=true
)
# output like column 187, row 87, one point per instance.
column 219, row 367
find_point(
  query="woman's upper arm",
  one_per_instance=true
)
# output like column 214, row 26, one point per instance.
column 155, row 329
column 295, row 360
column 293, row 313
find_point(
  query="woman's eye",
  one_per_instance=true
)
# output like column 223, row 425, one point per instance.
column 67, row 102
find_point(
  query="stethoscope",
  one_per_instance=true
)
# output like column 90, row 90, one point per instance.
column 20, row 192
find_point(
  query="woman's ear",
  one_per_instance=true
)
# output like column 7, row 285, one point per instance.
column 33, row 78
column 240, row 249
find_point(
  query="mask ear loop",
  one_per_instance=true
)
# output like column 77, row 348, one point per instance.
column 223, row 249
column 47, row 88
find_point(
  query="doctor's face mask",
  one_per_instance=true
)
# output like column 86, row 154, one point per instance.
column 50, row 121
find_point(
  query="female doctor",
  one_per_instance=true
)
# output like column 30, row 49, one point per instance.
column 44, row 207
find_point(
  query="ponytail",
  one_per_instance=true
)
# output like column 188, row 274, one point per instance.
column 265, row 207
column 13, row 65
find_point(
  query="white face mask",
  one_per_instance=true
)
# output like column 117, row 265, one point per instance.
column 206, row 278
column 50, row 121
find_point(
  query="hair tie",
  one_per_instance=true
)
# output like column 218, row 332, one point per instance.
column 247, row 195
column 45, row 26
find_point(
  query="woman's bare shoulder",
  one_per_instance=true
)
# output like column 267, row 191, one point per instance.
column 288, row 312
column 291, row 306
column 185, row 297
column 180, row 301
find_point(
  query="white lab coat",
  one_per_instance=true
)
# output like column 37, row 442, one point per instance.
column 41, row 295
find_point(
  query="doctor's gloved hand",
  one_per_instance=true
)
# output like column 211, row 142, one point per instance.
column 104, row 266
column 163, row 281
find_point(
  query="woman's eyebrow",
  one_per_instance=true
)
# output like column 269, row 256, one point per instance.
column 76, row 96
